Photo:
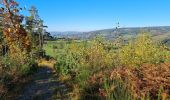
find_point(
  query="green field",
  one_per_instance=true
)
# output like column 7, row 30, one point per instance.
column 54, row 48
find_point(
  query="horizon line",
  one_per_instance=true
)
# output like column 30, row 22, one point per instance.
column 114, row 28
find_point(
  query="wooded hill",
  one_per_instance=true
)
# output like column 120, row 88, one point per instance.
column 158, row 33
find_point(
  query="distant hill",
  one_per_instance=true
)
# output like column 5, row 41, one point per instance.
column 64, row 34
column 158, row 33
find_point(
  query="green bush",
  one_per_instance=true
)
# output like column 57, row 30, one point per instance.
column 90, row 54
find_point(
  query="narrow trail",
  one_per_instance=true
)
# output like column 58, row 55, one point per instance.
column 44, row 86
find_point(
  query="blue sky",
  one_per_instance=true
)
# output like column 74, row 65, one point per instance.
column 87, row 15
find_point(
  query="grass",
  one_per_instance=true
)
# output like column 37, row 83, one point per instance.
column 49, row 48
column 44, row 63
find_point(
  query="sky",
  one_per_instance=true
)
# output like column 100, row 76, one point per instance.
column 88, row 15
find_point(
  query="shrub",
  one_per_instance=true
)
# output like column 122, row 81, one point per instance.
column 98, row 56
column 141, row 50
column 81, row 59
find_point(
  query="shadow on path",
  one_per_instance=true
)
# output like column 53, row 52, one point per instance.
column 44, row 86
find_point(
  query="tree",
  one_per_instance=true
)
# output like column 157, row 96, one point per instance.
column 47, row 36
column 31, row 23
column 34, row 25
column 14, row 33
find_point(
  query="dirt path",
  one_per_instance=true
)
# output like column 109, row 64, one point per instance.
column 44, row 86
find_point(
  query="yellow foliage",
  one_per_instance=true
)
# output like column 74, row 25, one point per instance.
column 141, row 50
column 98, row 56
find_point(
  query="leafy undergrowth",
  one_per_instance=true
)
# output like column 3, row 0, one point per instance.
column 104, row 70
column 147, row 82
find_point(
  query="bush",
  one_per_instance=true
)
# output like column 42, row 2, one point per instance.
column 141, row 50
column 91, row 54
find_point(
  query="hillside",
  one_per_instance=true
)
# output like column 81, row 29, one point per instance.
column 158, row 33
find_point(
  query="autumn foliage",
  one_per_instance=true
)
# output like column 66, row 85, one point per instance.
column 14, row 33
column 100, row 70
column 149, row 79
